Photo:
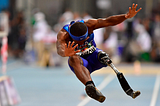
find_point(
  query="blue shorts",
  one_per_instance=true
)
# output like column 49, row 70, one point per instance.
column 91, row 62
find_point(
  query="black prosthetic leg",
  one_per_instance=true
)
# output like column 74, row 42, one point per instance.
column 104, row 59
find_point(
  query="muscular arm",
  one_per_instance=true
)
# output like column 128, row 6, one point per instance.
column 105, row 22
column 65, row 47
column 112, row 20
column 60, row 44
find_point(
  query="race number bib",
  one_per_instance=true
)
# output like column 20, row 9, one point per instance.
column 87, row 51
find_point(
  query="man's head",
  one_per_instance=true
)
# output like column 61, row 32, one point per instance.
column 78, row 31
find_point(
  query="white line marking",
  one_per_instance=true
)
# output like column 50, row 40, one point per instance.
column 105, row 82
column 11, row 66
column 155, row 91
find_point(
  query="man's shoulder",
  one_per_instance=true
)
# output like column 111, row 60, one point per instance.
column 63, row 35
column 90, row 22
column 66, row 27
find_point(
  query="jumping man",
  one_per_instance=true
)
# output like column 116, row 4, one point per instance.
column 76, row 41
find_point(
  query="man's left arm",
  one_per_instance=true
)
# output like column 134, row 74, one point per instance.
column 116, row 19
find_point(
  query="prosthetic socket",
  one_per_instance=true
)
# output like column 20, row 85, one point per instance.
column 104, row 58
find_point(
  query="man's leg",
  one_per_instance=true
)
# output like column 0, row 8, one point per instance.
column 83, row 75
column 81, row 72
column 104, row 59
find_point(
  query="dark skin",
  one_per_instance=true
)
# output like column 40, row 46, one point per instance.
column 64, row 39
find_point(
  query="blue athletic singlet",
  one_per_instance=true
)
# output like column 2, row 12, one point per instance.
column 88, row 52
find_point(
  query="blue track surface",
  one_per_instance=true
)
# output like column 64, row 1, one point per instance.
column 59, row 87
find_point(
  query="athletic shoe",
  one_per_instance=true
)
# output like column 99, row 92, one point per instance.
column 94, row 93
column 135, row 94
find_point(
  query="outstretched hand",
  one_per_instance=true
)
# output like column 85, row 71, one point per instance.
column 70, row 49
column 132, row 11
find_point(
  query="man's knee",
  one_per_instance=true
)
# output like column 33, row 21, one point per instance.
column 74, row 59
column 104, row 58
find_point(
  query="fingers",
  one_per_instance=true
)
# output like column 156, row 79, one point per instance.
column 75, row 46
column 65, row 45
column 136, row 6
column 77, row 51
column 72, row 44
column 133, row 6
column 139, row 10
column 130, row 9
column 69, row 44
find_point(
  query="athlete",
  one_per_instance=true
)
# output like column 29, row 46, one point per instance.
column 76, row 41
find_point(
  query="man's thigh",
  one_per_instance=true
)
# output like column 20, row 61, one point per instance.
column 91, row 62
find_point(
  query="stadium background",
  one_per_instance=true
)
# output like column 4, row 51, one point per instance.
column 42, row 78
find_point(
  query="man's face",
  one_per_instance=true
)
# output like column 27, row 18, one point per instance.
column 80, row 42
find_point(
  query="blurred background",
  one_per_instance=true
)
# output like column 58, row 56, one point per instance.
column 31, row 27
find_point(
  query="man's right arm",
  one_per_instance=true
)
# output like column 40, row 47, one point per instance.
column 60, row 44
column 65, row 47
